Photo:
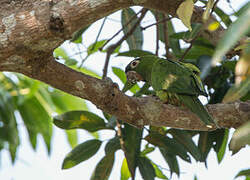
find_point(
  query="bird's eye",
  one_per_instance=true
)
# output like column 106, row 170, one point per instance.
column 134, row 63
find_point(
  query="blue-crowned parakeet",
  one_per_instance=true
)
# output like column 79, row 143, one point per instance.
column 173, row 82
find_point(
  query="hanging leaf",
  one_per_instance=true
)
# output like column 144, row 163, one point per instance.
column 146, row 168
column 204, row 144
column 171, row 160
column 81, row 153
column 72, row 137
column 134, row 41
column 104, row 168
column 233, row 34
column 125, row 174
column 185, row 139
column 132, row 142
column 222, row 149
column 113, row 145
column 37, row 120
column 185, row 11
column 169, row 144
column 158, row 172
column 241, row 137
column 80, row 119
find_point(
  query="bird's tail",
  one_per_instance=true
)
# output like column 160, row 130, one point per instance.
column 194, row 104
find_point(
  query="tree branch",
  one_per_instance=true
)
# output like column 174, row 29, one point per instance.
column 30, row 30
column 133, row 110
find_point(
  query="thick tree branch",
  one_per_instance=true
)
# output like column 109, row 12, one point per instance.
column 136, row 111
column 30, row 30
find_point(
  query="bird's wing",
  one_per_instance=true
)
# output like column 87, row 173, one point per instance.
column 173, row 77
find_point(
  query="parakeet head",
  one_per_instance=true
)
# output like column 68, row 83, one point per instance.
column 138, row 70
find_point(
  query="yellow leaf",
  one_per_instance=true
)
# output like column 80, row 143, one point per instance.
column 213, row 26
column 185, row 11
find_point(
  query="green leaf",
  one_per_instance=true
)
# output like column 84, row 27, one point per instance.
column 8, row 123
column 187, row 35
column 146, row 168
column 77, row 36
column 135, row 40
column 185, row 11
column 125, row 174
column 241, row 137
column 122, row 76
column 93, row 48
column 224, row 17
column 37, row 120
column 169, row 144
column 132, row 142
column 234, row 33
column 245, row 172
column 135, row 53
column 237, row 91
column 59, row 52
column 113, row 145
column 185, row 139
column 80, row 119
column 104, row 168
column 158, row 172
column 72, row 137
column 147, row 150
column 65, row 102
column 81, row 153
column 88, row 72
column 204, row 144
column 172, row 161
column 222, row 149
column 196, row 51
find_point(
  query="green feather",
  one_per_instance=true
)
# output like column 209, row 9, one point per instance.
column 194, row 104
column 174, row 83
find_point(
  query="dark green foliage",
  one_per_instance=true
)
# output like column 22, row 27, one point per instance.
column 81, row 153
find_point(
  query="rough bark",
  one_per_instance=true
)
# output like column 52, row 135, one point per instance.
column 30, row 30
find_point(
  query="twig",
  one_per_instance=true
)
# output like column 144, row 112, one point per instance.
column 97, row 37
column 111, row 48
column 156, row 23
column 130, row 20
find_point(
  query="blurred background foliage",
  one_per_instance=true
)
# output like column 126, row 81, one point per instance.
column 32, row 104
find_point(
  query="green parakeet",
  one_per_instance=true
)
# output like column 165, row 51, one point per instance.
column 173, row 82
